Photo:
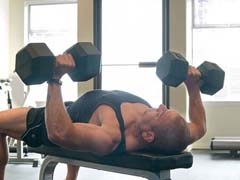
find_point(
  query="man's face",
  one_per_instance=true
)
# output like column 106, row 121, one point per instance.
column 160, row 116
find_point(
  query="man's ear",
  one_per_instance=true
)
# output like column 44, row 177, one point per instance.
column 148, row 136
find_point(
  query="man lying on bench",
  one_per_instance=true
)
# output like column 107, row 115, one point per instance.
column 103, row 122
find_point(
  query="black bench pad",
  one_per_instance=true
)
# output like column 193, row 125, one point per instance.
column 135, row 160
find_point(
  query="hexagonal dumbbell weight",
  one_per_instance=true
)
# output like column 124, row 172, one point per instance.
column 212, row 78
column 87, row 59
column 35, row 62
column 172, row 69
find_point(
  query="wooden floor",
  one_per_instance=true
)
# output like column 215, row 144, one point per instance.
column 207, row 166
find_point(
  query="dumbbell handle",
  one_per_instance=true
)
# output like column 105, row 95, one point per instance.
column 212, row 77
column 147, row 64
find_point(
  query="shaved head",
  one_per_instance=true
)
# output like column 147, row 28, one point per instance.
column 171, row 136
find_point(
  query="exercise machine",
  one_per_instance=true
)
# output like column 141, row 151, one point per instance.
column 18, row 150
column 225, row 143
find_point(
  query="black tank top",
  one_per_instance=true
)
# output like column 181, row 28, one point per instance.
column 82, row 109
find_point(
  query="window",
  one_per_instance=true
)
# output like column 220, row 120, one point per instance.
column 132, row 33
column 54, row 23
column 216, row 37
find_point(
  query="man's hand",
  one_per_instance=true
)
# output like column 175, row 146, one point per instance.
column 64, row 64
column 192, row 81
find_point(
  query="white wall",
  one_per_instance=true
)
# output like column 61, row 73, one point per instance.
column 85, row 33
column 16, row 30
column 11, row 34
column 222, row 120
column 178, row 44
column 4, row 34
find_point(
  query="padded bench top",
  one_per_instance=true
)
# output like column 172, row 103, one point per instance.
column 134, row 160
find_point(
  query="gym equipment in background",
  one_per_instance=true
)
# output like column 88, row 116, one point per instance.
column 226, row 143
column 17, row 96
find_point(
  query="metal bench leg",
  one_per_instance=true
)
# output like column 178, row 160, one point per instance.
column 164, row 175
column 47, row 169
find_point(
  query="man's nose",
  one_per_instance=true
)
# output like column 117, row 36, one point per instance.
column 162, row 107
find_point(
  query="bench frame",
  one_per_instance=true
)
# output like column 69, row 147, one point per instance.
column 50, row 162
column 152, row 166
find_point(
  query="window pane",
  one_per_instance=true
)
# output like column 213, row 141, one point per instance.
column 220, row 46
column 218, row 43
column 54, row 17
column 139, row 81
column 216, row 12
column 132, row 33
column 55, row 25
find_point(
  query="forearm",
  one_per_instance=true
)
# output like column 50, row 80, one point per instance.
column 196, row 113
column 196, row 108
column 56, row 117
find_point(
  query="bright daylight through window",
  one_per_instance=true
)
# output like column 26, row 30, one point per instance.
column 132, row 33
column 55, row 25
column 216, row 37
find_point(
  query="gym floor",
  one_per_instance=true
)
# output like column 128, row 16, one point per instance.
column 207, row 165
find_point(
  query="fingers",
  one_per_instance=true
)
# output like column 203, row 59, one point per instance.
column 193, row 72
column 64, row 64
column 193, row 78
column 65, row 60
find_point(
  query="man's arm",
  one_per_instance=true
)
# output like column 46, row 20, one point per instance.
column 197, row 125
column 61, row 130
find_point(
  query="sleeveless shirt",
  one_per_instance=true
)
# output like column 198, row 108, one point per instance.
column 82, row 109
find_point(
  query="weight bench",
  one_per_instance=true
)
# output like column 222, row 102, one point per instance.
column 147, row 165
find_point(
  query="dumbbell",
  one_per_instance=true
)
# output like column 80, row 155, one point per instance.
column 35, row 62
column 172, row 69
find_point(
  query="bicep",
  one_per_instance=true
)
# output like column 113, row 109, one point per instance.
column 89, row 138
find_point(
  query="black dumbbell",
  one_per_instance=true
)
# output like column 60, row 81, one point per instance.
column 172, row 69
column 35, row 62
